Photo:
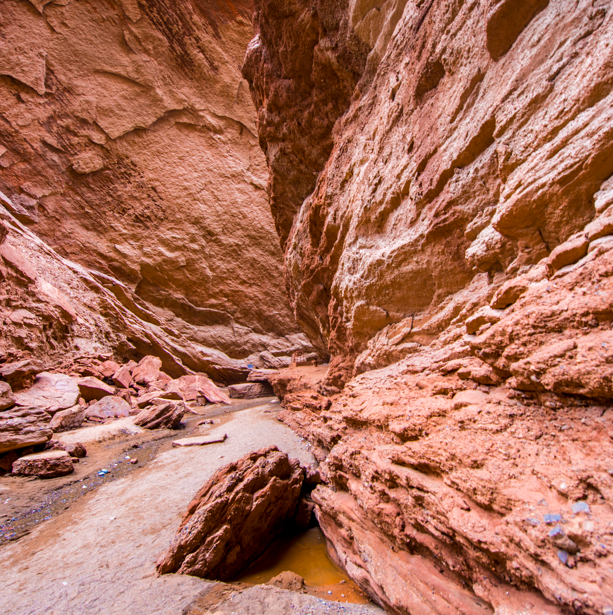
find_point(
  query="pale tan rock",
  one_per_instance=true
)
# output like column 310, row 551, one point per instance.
column 47, row 464
column 199, row 441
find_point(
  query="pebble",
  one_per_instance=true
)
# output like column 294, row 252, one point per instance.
column 581, row 506
column 552, row 518
column 563, row 556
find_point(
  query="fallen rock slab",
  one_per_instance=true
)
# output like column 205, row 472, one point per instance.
column 161, row 416
column 23, row 427
column 110, row 407
column 260, row 375
column 102, row 433
column 250, row 390
column 47, row 464
column 193, row 386
column 7, row 399
column 199, row 440
column 21, row 374
column 93, row 389
column 65, row 420
column 235, row 516
column 50, row 392
column 74, row 449
column 148, row 370
column 122, row 377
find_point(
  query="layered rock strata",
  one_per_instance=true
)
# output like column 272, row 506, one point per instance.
column 454, row 258
column 128, row 145
column 235, row 516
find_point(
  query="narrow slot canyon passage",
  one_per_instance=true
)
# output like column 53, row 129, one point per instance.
column 306, row 306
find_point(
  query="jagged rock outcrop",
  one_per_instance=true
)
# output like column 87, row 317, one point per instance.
column 454, row 258
column 238, row 512
column 128, row 145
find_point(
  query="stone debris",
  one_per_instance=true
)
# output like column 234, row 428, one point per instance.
column 21, row 374
column 47, row 464
column 250, row 390
column 199, row 440
column 7, row 399
column 93, row 389
column 109, row 407
column 147, row 371
column 50, row 392
column 22, row 427
column 235, row 516
column 65, row 420
column 167, row 415
column 198, row 385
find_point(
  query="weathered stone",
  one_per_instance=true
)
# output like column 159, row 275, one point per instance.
column 235, row 516
column 147, row 371
column 74, row 449
column 123, row 377
column 65, row 420
column 108, row 368
column 199, row 441
column 47, row 464
column 193, row 386
column 165, row 415
column 20, row 374
column 250, row 390
column 94, row 389
column 21, row 427
column 7, row 399
column 109, row 407
column 260, row 375
column 50, row 392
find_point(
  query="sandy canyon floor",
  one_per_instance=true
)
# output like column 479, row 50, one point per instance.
column 95, row 552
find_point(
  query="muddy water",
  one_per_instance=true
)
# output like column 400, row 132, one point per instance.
column 305, row 554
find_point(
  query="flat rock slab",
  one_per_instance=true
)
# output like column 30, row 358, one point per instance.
column 50, row 392
column 93, row 389
column 200, row 440
column 47, row 464
column 21, row 427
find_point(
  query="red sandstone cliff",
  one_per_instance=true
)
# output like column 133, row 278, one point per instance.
column 128, row 144
column 440, row 175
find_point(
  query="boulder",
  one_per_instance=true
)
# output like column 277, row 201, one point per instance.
column 108, row 368
column 193, row 386
column 74, row 449
column 21, row 427
column 50, row 392
column 93, row 389
column 250, row 390
column 199, row 441
column 21, row 374
column 110, row 407
column 148, row 370
column 47, row 464
column 165, row 415
column 235, row 516
column 122, row 377
column 7, row 399
column 65, row 420
column 260, row 375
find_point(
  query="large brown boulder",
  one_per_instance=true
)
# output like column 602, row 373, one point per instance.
column 110, row 407
column 20, row 374
column 71, row 418
column 93, row 389
column 7, row 399
column 23, row 427
column 235, row 516
column 50, row 392
column 163, row 415
column 250, row 390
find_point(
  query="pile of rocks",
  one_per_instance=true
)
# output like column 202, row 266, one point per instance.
column 35, row 404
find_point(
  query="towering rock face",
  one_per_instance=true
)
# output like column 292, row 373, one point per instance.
column 128, row 144
column 454, row 257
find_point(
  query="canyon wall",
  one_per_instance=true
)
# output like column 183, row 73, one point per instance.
column 441, row 180
column 128, row 144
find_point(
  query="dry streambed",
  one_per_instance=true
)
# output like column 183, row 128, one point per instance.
column 98, row 555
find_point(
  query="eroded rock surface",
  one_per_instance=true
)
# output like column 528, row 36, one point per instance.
column 453, row 256
column 235, row 516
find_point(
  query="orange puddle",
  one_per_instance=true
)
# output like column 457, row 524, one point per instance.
column 306, row 555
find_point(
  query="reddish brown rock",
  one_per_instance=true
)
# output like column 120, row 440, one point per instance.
column 74, row 449
column 250, row 390
column 94, row 389
column 50, row 392
column 65, row 420
column 47, row 464
column 7, row 399
column 21, row 374
column 109, row 407
column 147, row 371
column 22, row 427
column 123, row 377
column 108, row 368
column 161, row 415
column 235, row 516
column 193, row 386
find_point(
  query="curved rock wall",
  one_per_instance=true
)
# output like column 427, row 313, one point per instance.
column 454, row 258
column 128, row 144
